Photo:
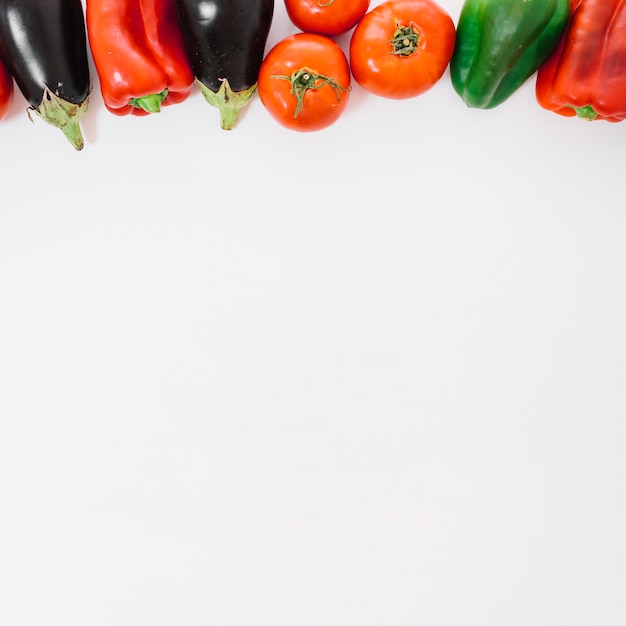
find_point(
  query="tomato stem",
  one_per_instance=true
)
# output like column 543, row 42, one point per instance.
column 325, row 4
column 304, row 79
column 405, row 40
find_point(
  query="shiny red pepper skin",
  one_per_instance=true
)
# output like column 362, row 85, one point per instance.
column 6, row 90
column 138, row 53
column 586, row 75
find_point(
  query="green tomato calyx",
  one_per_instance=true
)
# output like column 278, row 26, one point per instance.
column 405, row 40
column 304, row 79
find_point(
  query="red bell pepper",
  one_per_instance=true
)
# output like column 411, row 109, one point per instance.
column 138, row 53
column 6, row 90
column 586, row 74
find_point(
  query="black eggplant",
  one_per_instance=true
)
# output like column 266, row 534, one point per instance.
column 225, row 44
column 43, row 43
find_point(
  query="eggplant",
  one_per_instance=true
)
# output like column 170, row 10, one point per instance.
column 43, row 44
column 224, row 42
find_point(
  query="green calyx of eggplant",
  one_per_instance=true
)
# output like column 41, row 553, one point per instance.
column 63, row 115
column 229, row 102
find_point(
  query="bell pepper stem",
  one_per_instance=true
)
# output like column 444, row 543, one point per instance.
column 586, row 113
column 63, row 115
column 228, row 102
column 150, row 103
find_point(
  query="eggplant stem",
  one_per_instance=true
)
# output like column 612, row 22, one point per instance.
column 228, row 102
column 63, row 115
column 74, row 135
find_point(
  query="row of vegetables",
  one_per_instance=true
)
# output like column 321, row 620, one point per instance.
column 152, row 53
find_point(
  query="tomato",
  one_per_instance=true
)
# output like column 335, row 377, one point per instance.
column 6, row 90
column 401, row 48
column 304, row 82
column 326, row 17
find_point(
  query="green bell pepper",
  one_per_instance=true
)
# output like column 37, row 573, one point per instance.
column 500, row 44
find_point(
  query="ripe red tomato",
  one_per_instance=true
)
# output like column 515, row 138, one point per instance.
column 6, row 90
column 401, row 48
column 326, row 17
column 304, row 82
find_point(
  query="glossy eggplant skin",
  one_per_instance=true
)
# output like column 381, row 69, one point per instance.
column 225, row 41
column 43, row 44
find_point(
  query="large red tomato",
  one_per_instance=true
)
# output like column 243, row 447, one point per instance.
column 327, row 17
column 401, row 48
column 304, row 81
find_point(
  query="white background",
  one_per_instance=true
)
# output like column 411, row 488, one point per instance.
column 372, row 375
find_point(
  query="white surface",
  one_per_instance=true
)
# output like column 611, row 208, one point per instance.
column 373, row 375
